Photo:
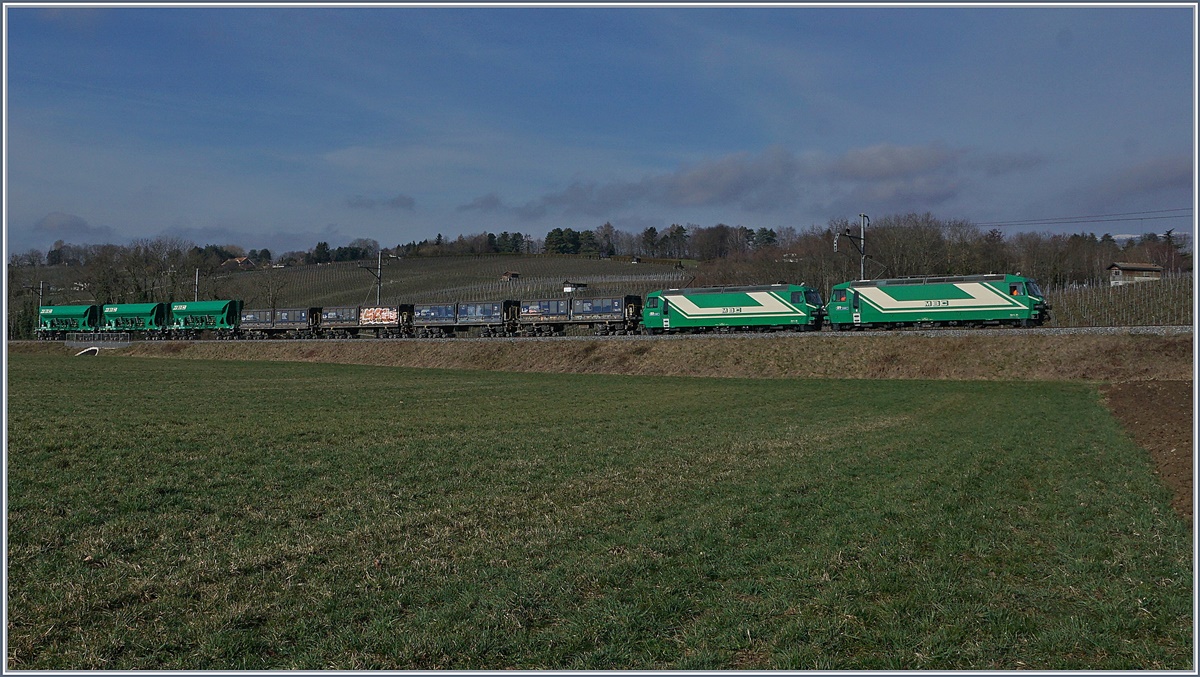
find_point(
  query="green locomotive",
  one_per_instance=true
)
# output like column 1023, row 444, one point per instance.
column 966, row 300
column 752, row 308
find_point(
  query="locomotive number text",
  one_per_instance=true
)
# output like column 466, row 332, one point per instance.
column 730, row 311
column 932, row 304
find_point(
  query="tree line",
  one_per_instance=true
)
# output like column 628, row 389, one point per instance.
column 166, row 268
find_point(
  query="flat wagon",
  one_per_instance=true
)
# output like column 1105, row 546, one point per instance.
column 608, row 315
column 544, row 317
column 280, row 322
column 385, row 321
column 434, row 320
column 487, row 318
column 338, row 321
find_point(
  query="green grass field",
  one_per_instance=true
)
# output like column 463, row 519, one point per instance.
column 278, row 515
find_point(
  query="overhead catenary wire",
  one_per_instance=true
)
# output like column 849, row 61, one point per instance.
column 1118, row 217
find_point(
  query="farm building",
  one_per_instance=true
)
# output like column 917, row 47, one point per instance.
column 1129, row 273
column 240, row 263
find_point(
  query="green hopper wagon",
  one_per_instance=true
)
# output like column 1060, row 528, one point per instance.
column 191, row 317
column 135, row 317
column 55, row 321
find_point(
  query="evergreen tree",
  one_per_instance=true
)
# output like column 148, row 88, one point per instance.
column 570, row 241
column 650, row 241
column 555, row 243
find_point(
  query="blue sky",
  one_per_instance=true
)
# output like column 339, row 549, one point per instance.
column 279, row 127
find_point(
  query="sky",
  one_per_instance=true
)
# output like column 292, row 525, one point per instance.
column 282, row 126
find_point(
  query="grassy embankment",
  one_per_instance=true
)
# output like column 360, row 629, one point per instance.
column 282, row 515
column 877, row 355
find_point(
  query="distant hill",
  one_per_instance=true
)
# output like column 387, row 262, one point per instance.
column 425, row 280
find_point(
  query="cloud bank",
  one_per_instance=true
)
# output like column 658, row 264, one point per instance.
column 71, row 228
column 776, row 179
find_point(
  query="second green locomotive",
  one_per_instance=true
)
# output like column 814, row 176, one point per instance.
column 957, row 301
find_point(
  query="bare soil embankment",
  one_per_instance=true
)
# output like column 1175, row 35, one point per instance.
column 1105, row 358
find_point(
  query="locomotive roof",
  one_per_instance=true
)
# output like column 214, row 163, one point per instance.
column 928, row 280
column 726, row 290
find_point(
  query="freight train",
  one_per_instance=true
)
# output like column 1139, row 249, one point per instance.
column 971, row 300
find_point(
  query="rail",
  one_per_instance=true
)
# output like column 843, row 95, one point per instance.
column 121, row 339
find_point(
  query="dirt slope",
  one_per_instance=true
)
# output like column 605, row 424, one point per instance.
column 1106, row 358
column 1158, row 415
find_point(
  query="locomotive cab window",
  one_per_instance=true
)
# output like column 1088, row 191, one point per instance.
column 652, row 303
column 796, row 296
column 839, row 296
column 812, row 296
column 1015, row 289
